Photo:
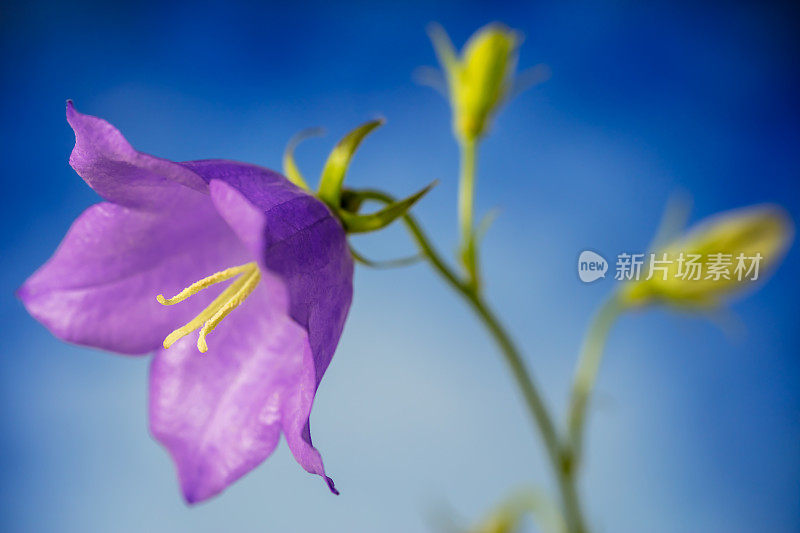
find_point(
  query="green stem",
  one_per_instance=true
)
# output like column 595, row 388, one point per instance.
column 556, row 453
column 559, row 459
column 586, row 373
column 466, row 200
column 466, row 191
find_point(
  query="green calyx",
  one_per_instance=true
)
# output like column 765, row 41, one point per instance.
column 347, row 204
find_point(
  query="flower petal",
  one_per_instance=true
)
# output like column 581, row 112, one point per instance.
column 120, row 174
column 99, row 288
column 293, row 235
column 220, row 414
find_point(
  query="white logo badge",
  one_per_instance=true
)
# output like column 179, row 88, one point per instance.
column 591, row 266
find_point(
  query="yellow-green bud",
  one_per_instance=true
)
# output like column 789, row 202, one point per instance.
column 720, row 256
column 510, row 515
column 480, row 79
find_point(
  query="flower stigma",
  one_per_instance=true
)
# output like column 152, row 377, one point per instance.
column 228, row 300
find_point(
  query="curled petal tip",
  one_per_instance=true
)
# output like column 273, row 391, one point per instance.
column 72, row 113
column 191, row 496
column 331, row 486
column 22, row 292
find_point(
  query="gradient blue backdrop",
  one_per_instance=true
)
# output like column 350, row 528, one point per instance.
column 696, row 427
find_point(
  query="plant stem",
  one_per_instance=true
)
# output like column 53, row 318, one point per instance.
column 466, row 189
column 466, row 199
column 586, row 373
column 557, row 454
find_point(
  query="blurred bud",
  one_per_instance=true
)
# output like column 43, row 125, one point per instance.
column 479, row 81
column 507, row 518
column 510, row 516
column 720, row 256
column 500, row 523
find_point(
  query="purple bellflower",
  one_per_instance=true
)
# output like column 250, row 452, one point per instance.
column 170, row 228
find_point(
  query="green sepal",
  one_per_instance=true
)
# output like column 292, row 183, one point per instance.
column 443, row 46
column 357, row 223
column 290, row 169
column 330, row 184
column 387, row 263
column 352, row 200
column 674, row 220
column 485, row 223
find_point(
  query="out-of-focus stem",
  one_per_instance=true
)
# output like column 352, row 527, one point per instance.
column 557, row 454
column 466, row 203
column 586, row 374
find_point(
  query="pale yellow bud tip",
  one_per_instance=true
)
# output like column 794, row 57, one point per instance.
column 718, row 257
column 479, row 79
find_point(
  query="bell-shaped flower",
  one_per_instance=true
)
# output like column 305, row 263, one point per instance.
column 182, row 230
column 479, row 81
column 720, row 256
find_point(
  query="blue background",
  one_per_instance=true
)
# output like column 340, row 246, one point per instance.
column 696, row 426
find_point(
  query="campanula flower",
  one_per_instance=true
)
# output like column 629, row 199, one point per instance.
column 143, row 270
column 479, row 81
column 720, row 256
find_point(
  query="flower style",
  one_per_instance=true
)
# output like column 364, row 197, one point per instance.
column 268, row 337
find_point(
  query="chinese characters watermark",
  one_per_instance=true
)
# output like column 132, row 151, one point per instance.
column 715, row 266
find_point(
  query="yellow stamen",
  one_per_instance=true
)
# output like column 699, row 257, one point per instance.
column 205, row 314
column 198, row 286
column 249, row 282
column 210, row 317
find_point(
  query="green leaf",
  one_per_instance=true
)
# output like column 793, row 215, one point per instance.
column 356, row 223
column 290, row 169
column 330, row 185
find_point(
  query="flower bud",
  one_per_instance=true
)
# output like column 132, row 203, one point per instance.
column 478, row 81
column 720, row 256
column 509, row 517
